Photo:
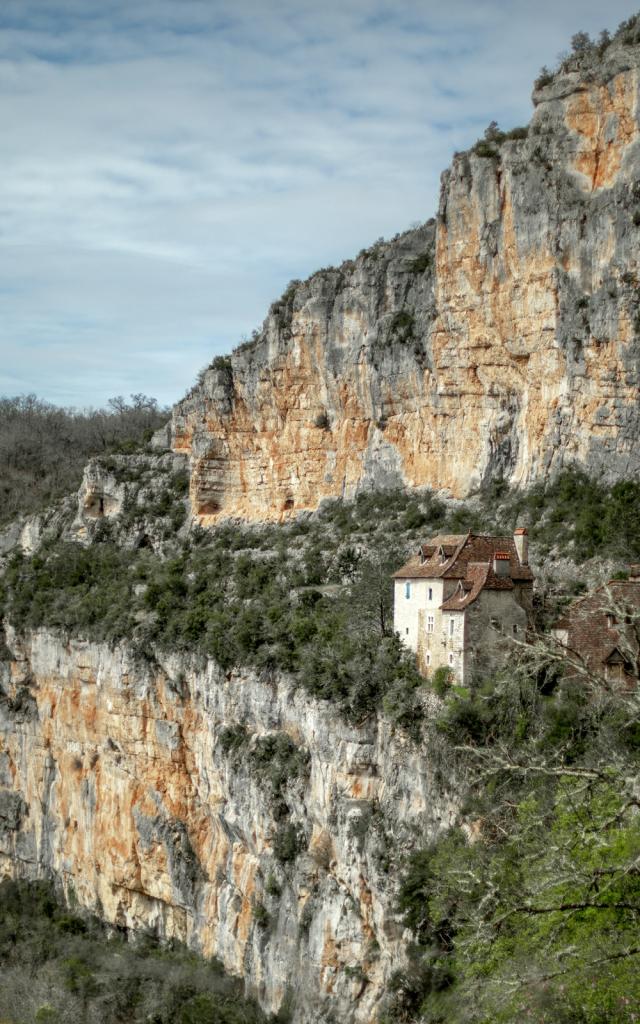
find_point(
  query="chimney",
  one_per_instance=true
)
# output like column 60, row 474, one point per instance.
column 502, row 563
column 521, row 541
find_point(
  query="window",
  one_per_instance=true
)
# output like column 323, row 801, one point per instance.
column 452, row 626
column 430, row 623
column 406, row 630
column 407, row 590
column 515, row 629
column 611, row 620
column 430, row 594
column 495, row 624
column 428, row 658
column 450, row 659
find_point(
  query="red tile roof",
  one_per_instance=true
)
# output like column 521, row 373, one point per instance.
column 596, row 627
column 459, row 552
column 468, row 558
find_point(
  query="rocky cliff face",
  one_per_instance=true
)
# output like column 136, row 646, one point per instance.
column 230, row 811
column 500, row 339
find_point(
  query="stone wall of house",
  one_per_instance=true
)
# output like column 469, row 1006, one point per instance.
column 435, row 647
column 496, row 623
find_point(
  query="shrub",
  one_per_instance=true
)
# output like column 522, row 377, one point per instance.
column 545, row 77
column 441, row 680
column 322, row 421
column 94, row 974
column 403, row 325
column 277, row 760
column 288, row 842
column 261, row 916
column 486, row 150
column 420, row 264
column 222, row 364
column 271, row 886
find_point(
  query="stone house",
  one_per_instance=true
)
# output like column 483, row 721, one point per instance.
column 459, row 599
column 601, row 632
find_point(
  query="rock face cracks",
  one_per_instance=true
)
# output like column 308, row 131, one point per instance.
column 499, row 339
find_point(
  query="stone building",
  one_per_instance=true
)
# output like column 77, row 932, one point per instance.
column 601, row 632
column 461, row 598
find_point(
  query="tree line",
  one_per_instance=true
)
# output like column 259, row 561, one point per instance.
column 44, row 447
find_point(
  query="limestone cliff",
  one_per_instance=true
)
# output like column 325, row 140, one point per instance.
column 499, row 339
column 139, row 785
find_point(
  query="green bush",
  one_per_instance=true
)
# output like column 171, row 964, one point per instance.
column 288, row 842
column 441, row 680
column 420, row 264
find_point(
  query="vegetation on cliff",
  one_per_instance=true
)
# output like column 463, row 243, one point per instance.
column 532, row 910
column 312, row 597
column 44, row 448
column 529, row 911
column 62, row 967
column 587, row 53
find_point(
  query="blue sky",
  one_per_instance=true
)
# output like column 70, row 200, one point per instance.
column 167, row 166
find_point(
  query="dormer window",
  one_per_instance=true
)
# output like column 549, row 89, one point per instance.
column 502, row 563
column 442, row 555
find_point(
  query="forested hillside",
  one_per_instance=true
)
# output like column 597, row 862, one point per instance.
column 43, row 447
column 529, row 907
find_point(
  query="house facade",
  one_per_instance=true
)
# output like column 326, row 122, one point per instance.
column 458, row 599
column 601, row 633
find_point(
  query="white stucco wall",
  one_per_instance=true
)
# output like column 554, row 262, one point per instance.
column 412, row 622
column 405, row 610
column 474, row 648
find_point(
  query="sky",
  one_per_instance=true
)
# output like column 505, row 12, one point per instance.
column 167, row 166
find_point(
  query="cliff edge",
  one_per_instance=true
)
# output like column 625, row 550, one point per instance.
column 498, row 340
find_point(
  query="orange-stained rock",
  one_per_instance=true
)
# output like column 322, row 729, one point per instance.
column 113, row 780
column 499, row 340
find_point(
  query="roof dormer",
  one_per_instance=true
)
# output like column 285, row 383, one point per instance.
column 502, row 563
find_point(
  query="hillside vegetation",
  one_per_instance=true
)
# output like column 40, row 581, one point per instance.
column 312, row 597
column 44, row 448
column 60, row 967
column 527, row 910
column 530, row 909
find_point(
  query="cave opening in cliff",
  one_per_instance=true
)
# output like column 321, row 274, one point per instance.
column 209, row 507
column 94, row 506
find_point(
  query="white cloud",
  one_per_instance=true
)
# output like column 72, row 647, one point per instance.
column 167, row 167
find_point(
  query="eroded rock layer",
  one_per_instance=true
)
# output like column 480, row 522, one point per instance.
column 151, row 793
column 500, row 339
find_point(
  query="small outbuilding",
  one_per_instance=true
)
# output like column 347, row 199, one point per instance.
column 601, row 632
